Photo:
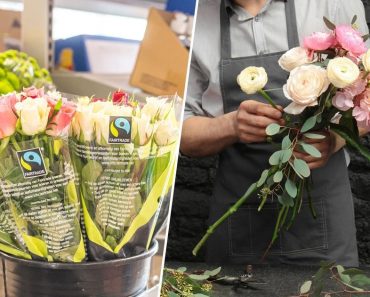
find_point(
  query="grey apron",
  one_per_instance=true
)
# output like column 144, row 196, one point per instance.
column 244, row 237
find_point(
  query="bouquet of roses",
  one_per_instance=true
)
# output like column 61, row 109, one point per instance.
column 329, row 89
column 39, row 205
column 124, row 154
column 18, row 71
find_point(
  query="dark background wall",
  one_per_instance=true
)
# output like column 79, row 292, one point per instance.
column 194, row 184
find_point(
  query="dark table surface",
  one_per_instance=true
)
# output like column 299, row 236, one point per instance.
column 281, row 281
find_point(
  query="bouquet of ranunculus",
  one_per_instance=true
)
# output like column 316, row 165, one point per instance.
column 39, row 216
column 18, row 71
column 124, row 153
column 329, row 89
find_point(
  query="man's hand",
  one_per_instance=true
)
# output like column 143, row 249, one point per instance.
column 252, row 118
column 327, row 146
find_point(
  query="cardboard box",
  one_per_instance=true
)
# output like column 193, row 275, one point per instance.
column 10, row 29
column 161, row 65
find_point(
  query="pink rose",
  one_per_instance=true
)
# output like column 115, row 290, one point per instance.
column 361, row 112
column 350, row 39
column 343, row 101
column 8, row 120
column 59, row 124
column 32, row 92
column 319, row 41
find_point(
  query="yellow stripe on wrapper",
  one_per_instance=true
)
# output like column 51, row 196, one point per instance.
column 92, row 231
column 80, row 254
column 151, row 204
column 25, row 165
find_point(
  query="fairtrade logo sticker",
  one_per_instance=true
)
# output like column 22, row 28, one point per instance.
column 119, row 130
column 32, row 163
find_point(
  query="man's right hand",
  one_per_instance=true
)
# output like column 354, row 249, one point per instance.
column 252, row 118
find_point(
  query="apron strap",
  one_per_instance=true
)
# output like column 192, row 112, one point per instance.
column 291, row 21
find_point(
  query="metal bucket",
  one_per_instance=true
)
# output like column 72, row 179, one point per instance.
column 114, row 278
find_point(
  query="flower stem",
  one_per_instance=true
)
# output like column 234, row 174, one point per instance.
column 4, row 144
column 252, row 189
column 268, row 98
column 15, row 143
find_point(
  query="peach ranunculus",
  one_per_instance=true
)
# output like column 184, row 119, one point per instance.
column 304, row 86
column 319, row 41
column 350, row 39
column 294, row 58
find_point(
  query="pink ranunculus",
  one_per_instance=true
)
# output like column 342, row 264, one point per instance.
column 32, row 92
column 319, row 41
column 350, row 39
column 361, row 112
column 59, row 124
column 357, row 87
column 343, row 101
column 8, row 120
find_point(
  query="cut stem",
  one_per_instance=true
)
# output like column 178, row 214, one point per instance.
column 268, row 99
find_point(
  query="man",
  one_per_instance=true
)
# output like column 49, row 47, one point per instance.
column 220, row 119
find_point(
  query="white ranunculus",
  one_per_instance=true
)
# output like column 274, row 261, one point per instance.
column 33, row 114
column 252, row 79
column 155, row 107
column 304, row 87
column 294, row 58
column 366, row 60
column 166, row 133
column 142, row 129
column 342, row 72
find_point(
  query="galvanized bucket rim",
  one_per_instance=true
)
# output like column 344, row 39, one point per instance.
column 85, row 265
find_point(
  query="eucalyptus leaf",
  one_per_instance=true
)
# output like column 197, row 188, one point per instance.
column 275, row 158
column 360, row 280
column 273, row 129
column 173, row 294
column 314, row 136
column 309, row 124
column 301, row 167
column 306, row 287
column 311, row 150
column 213, row 272
column 286, row 200
column 291, row 188
column 181, row 269
column 286, row 143
column 278, row 176
column 199, row 277
column 286, row 155
column 263, row 178
column 344, row 277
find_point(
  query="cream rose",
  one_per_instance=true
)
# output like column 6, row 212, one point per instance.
column 166, row 133
column 304, row 87
column 342, row 72
column 366, row 60
column 252, row 79
column 33, row 114
column 142, row 129
column 83, row 122
column 294, row 58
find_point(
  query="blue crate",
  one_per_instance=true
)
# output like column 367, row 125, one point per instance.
column 186, row 6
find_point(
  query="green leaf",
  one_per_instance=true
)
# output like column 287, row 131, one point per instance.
column 314, row 136
column 173, row 294
column 286, row 143
column 263, row 178
column 199, row 277
column 286, row 200
column 328, row 23
column 309, row 124
column 306, row 287
column 199, row 295
column 272, row 129
column 275, row 158
column 278, row 176
column 311, row 150
column 353, row 271
column 58, row 106
column 360, row 280
column 181, row 269
column 354, row 19
column 344, row 277
column 91, row 171
column 365, row 37
column 301, row 168
column 213, row 272
column 286, row 155
column 291, row 188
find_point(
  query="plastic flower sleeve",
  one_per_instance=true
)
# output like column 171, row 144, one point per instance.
column 40, row 197
column 124, row 172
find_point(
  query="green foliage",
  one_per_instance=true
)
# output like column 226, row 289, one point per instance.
column 309, row 124
column 301, row 168
column 311, row 150
column 273, row 129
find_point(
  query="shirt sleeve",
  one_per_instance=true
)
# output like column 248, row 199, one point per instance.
column 197, row 84
column 346, row 10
